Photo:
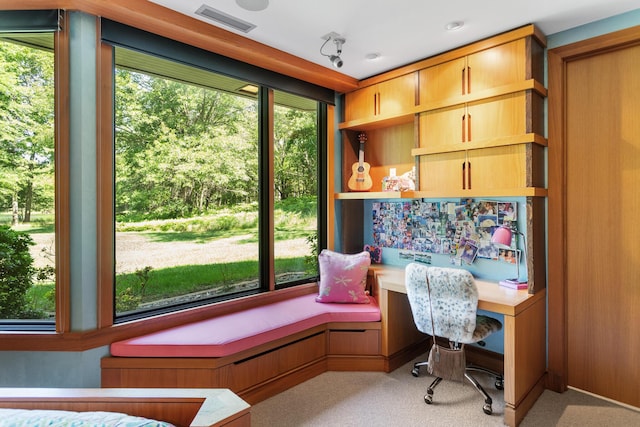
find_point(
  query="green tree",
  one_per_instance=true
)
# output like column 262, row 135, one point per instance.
column 295, row 153
column 26, row 128
column 181, row 149
column 16, row 273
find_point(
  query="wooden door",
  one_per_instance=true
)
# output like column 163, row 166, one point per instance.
column 497, row 66
column 361, row 104
column 594, row 255
column 445, row 172
column 497, row 168
column 443, row 129
column 442, row 81
column 497, row 117
column 397, row 96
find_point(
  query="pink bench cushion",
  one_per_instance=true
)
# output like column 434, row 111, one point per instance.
column 231, row 333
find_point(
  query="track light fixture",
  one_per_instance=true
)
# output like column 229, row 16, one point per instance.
column 336, row 61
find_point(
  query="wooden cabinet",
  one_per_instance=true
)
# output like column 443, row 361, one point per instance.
column 482, row 121
column 498, row 170
column 479, row 104
column 490, row 68
column 486, row 145
column 394, row 97
column 443, row 81
column 485, row 121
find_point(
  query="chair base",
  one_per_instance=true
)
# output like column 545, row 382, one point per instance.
column 486, row 408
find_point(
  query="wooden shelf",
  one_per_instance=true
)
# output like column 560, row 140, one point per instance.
column 487, row 143
column 362, row 195
column 484, row 94
column 502, row 192
column 505, row 192
column 377, row 123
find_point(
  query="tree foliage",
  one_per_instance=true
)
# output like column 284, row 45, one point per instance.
column 26, row 128
column 16, row 273
column 183, row 150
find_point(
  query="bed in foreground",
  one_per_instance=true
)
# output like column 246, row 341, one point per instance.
column 180, row 407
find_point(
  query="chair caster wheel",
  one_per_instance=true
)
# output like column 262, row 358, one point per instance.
column 415, row 372
column 428, row 399
column 499, row 383
column 487, row 409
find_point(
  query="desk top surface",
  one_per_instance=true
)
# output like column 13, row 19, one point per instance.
column 491, row 296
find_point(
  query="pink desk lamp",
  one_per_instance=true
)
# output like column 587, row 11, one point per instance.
column 502, row 238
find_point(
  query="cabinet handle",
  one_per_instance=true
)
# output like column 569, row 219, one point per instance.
column 464, row 186
column 375, row 104
column 469, row 127
column 469, row 175
column 468, row 79
column 464, row 86
column 464, row 128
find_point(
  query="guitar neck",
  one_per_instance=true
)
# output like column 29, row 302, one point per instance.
column 361, row 154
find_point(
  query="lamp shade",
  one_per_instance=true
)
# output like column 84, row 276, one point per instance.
column 502, row 236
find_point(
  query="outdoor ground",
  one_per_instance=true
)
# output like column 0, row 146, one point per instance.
column 137, row 250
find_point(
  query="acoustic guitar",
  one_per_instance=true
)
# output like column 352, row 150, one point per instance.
column 360, row 179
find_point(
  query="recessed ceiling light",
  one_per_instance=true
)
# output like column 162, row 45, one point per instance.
column 455, row 25
column 253, row 5
column 372, row 56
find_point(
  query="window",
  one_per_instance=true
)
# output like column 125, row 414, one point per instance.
column 295, row 165
column 207, row 204
column 27, row 180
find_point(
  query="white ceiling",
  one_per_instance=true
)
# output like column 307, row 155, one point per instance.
column 400, row 31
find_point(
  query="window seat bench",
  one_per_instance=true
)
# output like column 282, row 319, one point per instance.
column 257, row 352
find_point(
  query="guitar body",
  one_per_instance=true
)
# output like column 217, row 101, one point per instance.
column 360, row 179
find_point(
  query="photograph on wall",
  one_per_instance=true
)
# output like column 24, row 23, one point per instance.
column 468, row 251
column 461, row 229
column 508, row 255
column 507, row 211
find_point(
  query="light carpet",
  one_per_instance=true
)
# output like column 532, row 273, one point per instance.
column 374, row 399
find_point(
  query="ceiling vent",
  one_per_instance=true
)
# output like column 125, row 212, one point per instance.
column 224, row 19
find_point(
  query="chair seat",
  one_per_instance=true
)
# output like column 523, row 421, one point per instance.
column 485, row 326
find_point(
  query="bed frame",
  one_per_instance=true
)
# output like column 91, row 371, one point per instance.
column 181, row 407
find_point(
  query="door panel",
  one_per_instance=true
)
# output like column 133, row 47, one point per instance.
column 602, row 202
column 498, row 117
column 443, row 172
column 498, row 66
column 443, row 81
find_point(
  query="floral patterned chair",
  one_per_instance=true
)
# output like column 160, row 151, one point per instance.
column 454, row 300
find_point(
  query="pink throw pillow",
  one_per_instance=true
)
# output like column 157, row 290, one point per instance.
column 343, row 277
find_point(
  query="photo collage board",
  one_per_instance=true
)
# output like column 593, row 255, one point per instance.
column 461, row 229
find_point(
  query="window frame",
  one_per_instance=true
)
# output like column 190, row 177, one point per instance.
column 35, row 21
column 118, row 35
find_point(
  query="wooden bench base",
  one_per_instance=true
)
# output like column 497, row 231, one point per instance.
column 260, row 372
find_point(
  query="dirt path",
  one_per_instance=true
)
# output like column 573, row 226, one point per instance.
column 136, row 251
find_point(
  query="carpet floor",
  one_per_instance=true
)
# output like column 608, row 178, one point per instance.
column 345, row 399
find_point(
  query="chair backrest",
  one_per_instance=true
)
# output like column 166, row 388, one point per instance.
column 454, row 298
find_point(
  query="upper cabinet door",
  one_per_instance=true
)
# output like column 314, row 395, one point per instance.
column 392, row 97
column 443, row 81
column 397, row 96
column 490, row 68
column 361, row 104
column 498, row 66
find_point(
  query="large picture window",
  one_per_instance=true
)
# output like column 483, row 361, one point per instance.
column 27, row 180
column 191, row 167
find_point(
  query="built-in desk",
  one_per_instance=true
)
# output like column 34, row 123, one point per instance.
column 523, row 325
